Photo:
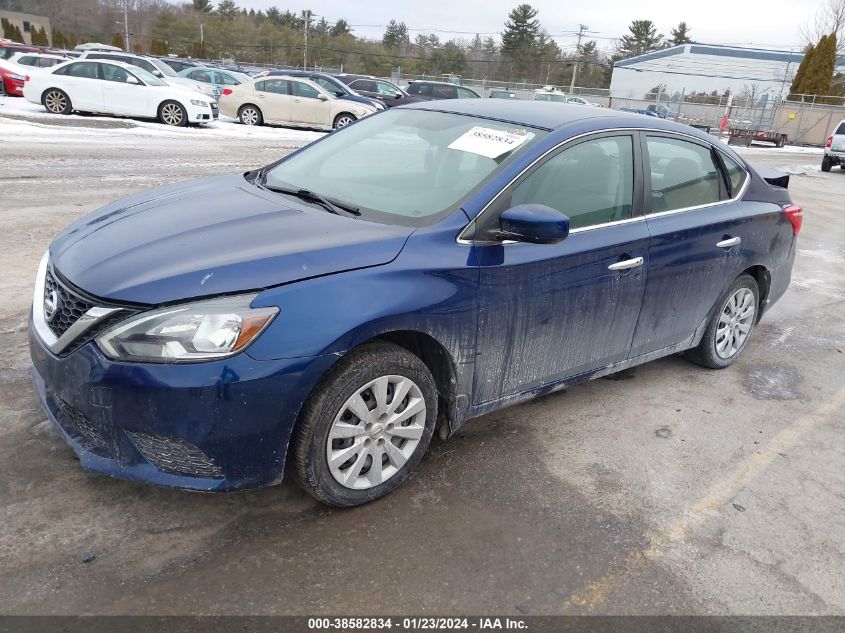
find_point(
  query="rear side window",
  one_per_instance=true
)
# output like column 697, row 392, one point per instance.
column 86, row 70
column 413, row 89
column 276, row 86
column 592, row 182
column 683, row 175
column 840, row 129
column 736, row 175
column 365, row 85
column 28, row 61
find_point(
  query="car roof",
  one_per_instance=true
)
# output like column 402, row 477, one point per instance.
column 297, row 77
column 543, row 114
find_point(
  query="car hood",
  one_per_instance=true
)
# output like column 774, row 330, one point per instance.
column 213, row 236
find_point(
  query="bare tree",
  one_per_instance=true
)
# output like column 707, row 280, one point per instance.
column 830, row 18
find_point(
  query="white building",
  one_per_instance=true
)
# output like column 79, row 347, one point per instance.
column 707, row 67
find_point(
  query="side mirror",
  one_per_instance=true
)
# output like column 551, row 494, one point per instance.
column 157, row 73
column 398, row 95
column 132, row 79
column 533, row 223
column 322, row 97
column 339, row 93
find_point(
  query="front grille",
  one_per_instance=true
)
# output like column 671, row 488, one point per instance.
column 78, row 424
column 175, row 456
column 70, row 306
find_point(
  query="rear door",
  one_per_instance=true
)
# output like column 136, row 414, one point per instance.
column 551, row 311
column 697, row 238
column 84, row 87
column 273, row 97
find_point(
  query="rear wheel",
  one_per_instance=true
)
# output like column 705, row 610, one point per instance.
column 173, row 113
column 57, row 102
column 250, row 115
column 730, row 326
column 826, row 163
column 342, row 120
column 366, row 426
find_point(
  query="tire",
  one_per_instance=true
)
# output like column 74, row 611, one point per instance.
column 342, row 120
column 57, row 102
column 173, row 113
column 327, row 426
column 826, row 164
column 736, row 310
column 250, row 115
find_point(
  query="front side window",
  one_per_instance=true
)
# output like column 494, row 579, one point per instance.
column 226, row 80
column 85, row 70
column 465, row 93
column 445, row 157
column 148, row 78
column 592, row 182
column 683, row 175
column 304, row 90
column 444, row 92
column 114, row 73
column 385, row 89
column 328, row 85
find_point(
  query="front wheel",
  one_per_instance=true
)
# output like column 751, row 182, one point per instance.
column 826, row 164
column 57, row 102
column 366, row 426
column 730, row 326
column 173, row 113
column 342, row 120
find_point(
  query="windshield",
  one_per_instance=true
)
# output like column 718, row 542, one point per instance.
column 405, row 167
column 165, row 70
column 147, row 77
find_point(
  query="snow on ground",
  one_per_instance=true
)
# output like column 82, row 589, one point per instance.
column 26, row 119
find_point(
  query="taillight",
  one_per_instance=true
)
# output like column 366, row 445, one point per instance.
column 795, row 215
column 26, row 78
column 828, row 142
column 227, row 91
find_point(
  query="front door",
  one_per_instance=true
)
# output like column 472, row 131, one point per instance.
column 306, row 106
column 697, row 239
column 551, row 311
column 122, row 96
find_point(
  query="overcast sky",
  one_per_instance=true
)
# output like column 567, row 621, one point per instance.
column 765, row 23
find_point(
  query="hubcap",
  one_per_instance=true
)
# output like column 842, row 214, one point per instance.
column 343, row 121
column 55, row 102
column 735, row 323
column 249, row 116
column 172, row 114
column 375, row 432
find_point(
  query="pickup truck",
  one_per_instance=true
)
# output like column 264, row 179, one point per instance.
column 834, row 148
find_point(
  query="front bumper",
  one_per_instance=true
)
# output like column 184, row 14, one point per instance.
column 221, row 425
column 197, row 114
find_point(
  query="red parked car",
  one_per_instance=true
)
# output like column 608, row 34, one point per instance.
column 9, row 49
column 11, row 81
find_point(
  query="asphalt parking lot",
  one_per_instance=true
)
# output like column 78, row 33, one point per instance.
column 664, row 489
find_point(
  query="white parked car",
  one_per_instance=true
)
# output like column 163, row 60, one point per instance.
column 30, row 61
column 291, row 101
column 834, row 148
column 156, row 67
column 107, row 87
column 552, row 94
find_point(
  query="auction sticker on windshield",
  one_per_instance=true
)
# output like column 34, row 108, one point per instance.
column 488, row 142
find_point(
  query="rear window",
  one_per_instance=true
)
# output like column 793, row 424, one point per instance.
column 840, row 129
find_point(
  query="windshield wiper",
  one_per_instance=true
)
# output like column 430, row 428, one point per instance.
column 332, row 206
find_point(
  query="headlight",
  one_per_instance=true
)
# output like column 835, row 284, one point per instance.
column 205, row 330
column 200, row 103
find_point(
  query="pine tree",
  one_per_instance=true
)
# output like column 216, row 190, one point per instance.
column 815, row 74
column 117, row 40
column 642, row 38
column 680, row 35
column 59, row 39
column 798, row 80
column 520, row 39
column 341, row 27
column 203, row 6
column 395, row 35
column 227, row 9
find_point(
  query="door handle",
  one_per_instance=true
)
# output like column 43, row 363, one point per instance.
column 260, row 96
column 729, row 242
column 625, row 264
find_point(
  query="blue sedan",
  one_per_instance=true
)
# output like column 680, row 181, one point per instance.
column 424, row 266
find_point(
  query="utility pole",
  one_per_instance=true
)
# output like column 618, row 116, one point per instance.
column 126, row 26
column 306, row 15
column 581, row 29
